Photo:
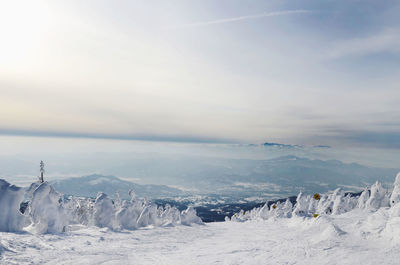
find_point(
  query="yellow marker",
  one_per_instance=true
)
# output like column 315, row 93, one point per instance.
column 317, row 196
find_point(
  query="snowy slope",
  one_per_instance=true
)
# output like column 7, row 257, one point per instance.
column 351, row 238
column 347, row 230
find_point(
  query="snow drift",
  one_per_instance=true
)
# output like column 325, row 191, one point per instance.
column 49, row 212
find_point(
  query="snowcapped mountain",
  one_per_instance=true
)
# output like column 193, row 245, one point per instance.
column 89, row 186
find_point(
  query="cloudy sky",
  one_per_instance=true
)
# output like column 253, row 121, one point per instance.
column 212, row 70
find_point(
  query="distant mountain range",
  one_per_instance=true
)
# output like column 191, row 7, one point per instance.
column 89, row 186
column 269, row 144
column 232, row 179
column 280, row 145
column 271, row 178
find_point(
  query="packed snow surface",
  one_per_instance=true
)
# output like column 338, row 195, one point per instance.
column 356, row 237
column 333, row 228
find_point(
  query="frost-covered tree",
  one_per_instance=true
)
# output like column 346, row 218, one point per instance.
column 395, row 197
column 50, row 212
column 362, row 200
column 10, row 198
column 41, row 179
column 378, row 197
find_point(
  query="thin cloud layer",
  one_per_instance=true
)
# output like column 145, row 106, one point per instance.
column 387, row 41
column 115, row 72
column 240, row 18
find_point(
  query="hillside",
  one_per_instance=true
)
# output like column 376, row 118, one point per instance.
column 89, row 186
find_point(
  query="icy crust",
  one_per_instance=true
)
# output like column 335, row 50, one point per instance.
column 372, row 199
column 49, row 212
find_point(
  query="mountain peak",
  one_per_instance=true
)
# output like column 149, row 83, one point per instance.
column 269, row 144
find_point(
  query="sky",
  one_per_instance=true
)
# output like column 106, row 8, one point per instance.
column 302, row 72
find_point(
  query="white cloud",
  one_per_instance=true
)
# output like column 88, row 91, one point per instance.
column 386, row 41
column 117, row 73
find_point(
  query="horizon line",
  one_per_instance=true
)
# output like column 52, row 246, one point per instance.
column 124, row 137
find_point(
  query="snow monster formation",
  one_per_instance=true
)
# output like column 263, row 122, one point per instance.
column 11, row 218
column 395, row 197
column 371, row 199
column 49, row 212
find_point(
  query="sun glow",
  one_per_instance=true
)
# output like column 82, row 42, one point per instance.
column 23, row 25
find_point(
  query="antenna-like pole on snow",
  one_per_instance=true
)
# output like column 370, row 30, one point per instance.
column 41, row 171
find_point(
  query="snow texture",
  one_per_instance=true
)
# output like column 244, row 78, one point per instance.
column 395, row 198
column 335, row 203
column 49, row 212
column 332, row 228
column 10, row 199
column 355, row 237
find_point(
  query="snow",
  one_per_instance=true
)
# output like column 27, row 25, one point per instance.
column 49, row 212
column 335, row 203
column 333, row 228
column 10, row 198
column 334, row 239
column 395, row 197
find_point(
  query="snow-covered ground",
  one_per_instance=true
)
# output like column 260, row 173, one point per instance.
column 334, row 228
column 356, row 237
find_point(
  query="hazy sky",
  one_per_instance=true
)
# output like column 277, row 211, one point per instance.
column 211, row 70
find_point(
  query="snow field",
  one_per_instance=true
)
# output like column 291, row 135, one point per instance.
column 338, row 239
